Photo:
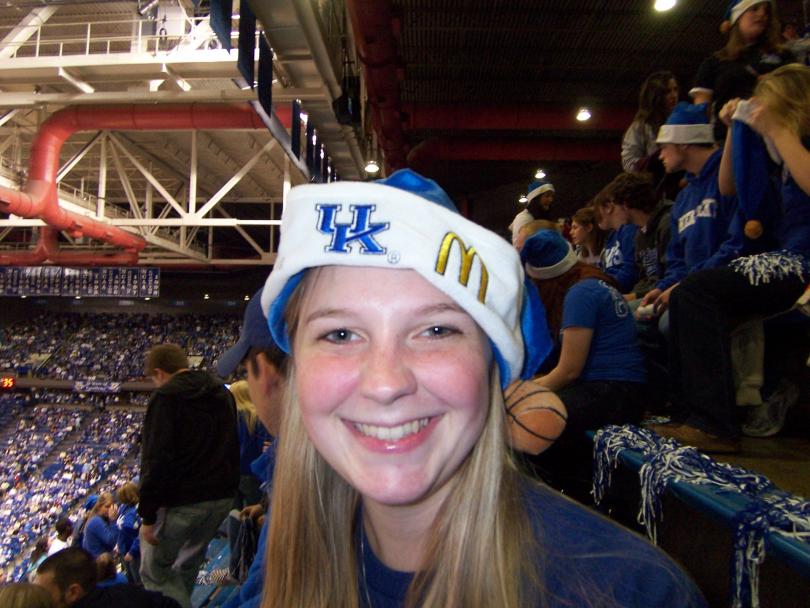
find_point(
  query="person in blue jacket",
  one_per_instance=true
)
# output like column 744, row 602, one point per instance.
column 706, row 230
column 708, row 304
column 129, row 525
column 393, row 485
column 253, row 439
column 266, row 367
column 618, row 258
column 101, row 531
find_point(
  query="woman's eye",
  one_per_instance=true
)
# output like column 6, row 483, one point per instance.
column 338, row 336
column 439, row 331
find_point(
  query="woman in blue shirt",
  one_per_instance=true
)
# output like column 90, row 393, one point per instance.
column 600, row 373
column 393, row 486
column 101, row 531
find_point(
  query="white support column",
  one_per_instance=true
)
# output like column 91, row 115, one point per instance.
column 214, row 200
column 151, row 178
column 26, row 28
column 68, row 166
column 192, row 179
column 102, row 178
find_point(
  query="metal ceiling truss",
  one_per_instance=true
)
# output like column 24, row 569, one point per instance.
column 164, row 188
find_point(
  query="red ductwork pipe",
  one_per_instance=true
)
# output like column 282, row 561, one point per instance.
column 491, row 149
column 46, row 249
column 373, row 25
column 39, row 198
column 513, row 118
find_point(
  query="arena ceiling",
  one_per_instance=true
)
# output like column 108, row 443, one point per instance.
column 481, row 94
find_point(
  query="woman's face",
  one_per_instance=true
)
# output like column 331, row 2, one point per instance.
column 672, row 94
column 546, row 199
column 580, row 232
column 754, row 21
column 392, row 379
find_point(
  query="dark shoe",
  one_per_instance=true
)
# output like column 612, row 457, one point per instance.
column 703, row 441
column 768, row 419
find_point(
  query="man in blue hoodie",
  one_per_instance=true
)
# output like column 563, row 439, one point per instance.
column 706, row 229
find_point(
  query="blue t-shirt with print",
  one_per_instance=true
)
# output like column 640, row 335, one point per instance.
column 615, row 352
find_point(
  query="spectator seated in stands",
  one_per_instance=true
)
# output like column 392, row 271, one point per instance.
column 107, row 573
column 706, row 228
column 70, row 578
column 101, row 531
column 540, row 198
column 586, row 235
column 635, row 192
column 711, row 302
column 600, row 374
column 618, row 259
column 64, row 530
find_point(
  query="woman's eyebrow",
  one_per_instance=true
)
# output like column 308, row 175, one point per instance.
column 325, row 312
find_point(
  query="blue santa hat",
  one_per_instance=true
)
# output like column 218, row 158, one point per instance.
column 538, row 187
column 735, row 10
column 408, row 221
column 688, row 124
column 547, row 255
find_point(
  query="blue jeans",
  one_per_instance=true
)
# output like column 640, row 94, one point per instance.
column 184, row 532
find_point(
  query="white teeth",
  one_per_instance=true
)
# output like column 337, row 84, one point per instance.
column 392, row 433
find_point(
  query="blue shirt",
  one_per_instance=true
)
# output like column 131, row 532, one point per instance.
column 249, row 594
column 707, row 231
column 100, row 536
column 615, row 353
column 619, row 257
column 583, row 553
column 251, row 445
column 128, row 525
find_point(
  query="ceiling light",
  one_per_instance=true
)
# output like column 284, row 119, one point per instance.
column 523, row 199
column 247, row 298
column 539, row 174
column 372, row 168
column 583, row 115
column 664, row 5
column 206, row 297
column 147, row 298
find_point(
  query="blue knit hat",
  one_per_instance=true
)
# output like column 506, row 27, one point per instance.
column 547, row 255
column 688, row 124
column 538, row 187
column 735, row 10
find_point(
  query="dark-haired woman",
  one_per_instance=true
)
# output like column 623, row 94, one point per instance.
column 657, row 99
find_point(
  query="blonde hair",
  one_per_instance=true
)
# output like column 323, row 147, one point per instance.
column 311, row 552
column 104, row 500
column 25, row 595
column 244, row 405
column 530, row 228
column 786, row 93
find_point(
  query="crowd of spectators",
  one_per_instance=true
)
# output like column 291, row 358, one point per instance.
column 106, row 346
column 39, row 487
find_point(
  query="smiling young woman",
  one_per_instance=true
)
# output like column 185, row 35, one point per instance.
column 394, row 485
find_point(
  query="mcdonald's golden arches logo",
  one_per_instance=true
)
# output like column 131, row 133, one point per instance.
column 467, row 255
